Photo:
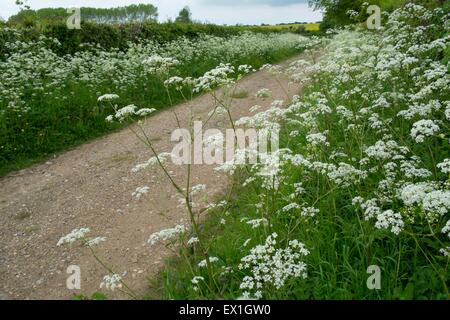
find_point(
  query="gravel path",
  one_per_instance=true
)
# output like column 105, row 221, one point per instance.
column 91, row 186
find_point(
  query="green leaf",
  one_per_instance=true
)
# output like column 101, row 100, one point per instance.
column 99, row 296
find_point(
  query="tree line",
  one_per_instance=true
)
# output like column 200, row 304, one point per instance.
column 134, row 13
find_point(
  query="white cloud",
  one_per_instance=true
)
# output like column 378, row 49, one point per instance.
column 215, row 11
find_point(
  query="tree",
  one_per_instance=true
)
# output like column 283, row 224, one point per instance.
column 131, row 13
column 25, row 17
column 185, row 16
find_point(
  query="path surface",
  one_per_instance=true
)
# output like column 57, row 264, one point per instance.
column 91, row 186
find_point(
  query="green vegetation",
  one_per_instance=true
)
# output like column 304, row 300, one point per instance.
column 110, row 36
column 119, row 15
column 337, row 13
column 185, row 16
column 49, row 100
column 363, row 180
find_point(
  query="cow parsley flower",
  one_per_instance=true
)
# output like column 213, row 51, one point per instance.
column 152, row 162
column 111, row 282
column 124, row 112
column 446, row 229
column 412, row 194
column 196, row 280
column 140, row 192
column 203, row 263
column 437, row 202
column 220, row 76
column 390, row 220
column 178, row 82
column 73, row 236
column 309, row 211
column 370, row 208
column 345, row 174
column 445, row 252
column 423, row 129
column 256, row 223
column 159, row 65
column 95, row 241
column 198, row 189
column 255, row 108
column 166, row 234
column 444, row 166
column 245, row 69
column 269, row 265
column 145, row 112
column 263, row 93
column 192, row 241
column 291, row 206
column 108, row 97
column 317, row 139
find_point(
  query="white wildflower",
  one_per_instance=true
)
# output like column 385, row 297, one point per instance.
column 444, row 166
column 203, row 263
column 272, row 266
column 140, row 192
column 73, row 236
column 95, row 241
column 423, row 129
column 112, row 282
column 108, row 97
column 166, row 234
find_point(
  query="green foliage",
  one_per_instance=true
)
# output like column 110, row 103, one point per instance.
column 95, row 296
column 119, row 15
column 185, row 16
column 110, row 36
column 69, row 113
column 129, row 14
column 336, row 12
column 343, row 239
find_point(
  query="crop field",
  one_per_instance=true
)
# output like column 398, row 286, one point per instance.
column 295, row 26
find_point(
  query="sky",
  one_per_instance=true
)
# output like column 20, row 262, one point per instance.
column 215, row 11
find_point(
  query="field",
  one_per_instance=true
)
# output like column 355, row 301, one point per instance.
column 295, row 27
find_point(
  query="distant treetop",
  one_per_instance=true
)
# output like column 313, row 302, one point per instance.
column 185, row 15
column 118, row 15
